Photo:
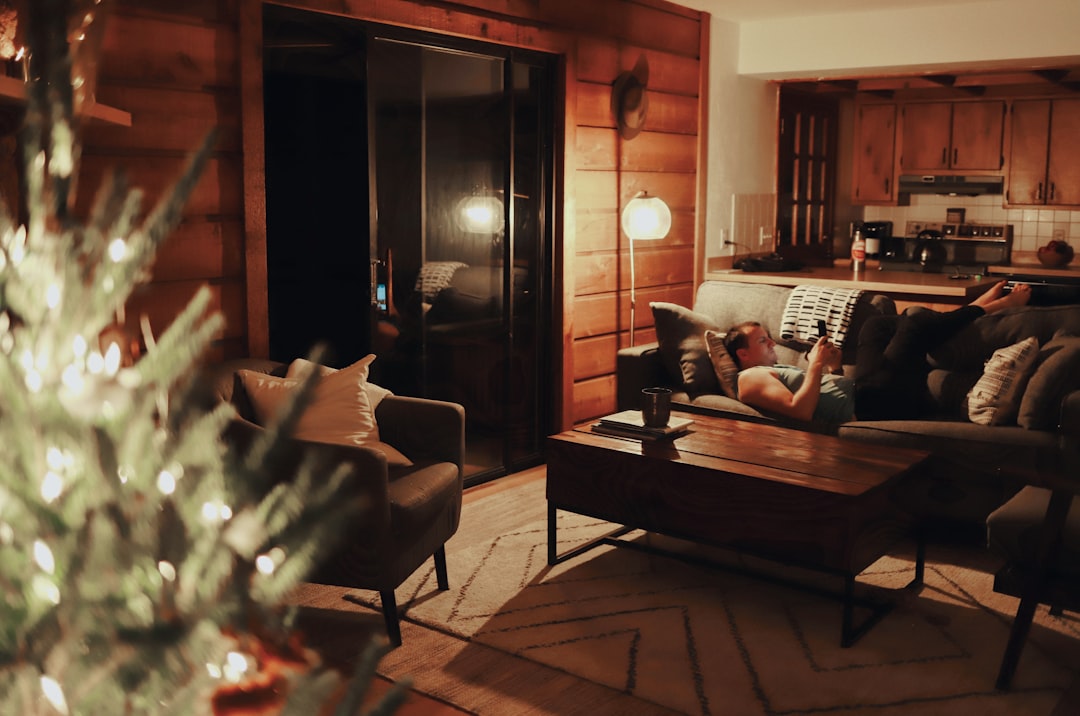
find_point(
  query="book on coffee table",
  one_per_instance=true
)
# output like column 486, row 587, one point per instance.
column 630, row 422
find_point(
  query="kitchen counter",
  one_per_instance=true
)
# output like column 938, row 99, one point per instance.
column 899, row 284
column 1036, row 270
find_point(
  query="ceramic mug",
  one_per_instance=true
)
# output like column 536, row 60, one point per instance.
column 656, row 407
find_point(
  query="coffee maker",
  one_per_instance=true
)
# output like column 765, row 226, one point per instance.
column 875, row 233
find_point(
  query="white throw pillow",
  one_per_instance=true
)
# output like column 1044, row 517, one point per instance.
column 724, row 365
column 297, row 368
column 995, row 398
column 339, row 411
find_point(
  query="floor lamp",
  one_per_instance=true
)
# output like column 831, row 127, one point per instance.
column 644, row 218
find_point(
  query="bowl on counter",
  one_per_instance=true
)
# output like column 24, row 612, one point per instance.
column 1055, row 254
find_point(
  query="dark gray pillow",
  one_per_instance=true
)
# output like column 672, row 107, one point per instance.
column 1057, row 372
column 681, row 335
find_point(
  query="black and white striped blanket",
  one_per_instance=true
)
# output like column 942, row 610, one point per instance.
column 806, row 304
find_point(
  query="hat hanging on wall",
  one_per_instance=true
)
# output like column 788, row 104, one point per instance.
column 629, row 101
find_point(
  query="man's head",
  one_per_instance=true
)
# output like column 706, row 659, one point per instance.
column 750, row 345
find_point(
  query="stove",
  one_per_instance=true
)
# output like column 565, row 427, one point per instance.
column 969, row 248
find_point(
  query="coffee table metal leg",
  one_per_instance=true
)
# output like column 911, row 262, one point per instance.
column 849, row 632
column 555, row 558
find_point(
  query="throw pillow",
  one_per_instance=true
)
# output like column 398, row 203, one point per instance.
column 339, row 411
column 723, row 364
column 995, row 398
column 1057, row 373
column 375, row 393
column 681, row 335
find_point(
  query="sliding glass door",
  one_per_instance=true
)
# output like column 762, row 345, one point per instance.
column 448, row 174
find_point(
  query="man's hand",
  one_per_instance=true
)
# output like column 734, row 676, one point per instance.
column 825, row 355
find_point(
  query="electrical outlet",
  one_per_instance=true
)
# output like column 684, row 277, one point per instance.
column 1059, row 235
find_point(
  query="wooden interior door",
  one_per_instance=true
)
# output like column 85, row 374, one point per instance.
column 806, row 177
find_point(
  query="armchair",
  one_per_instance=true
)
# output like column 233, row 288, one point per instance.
column 409, row 511
column 1037, row 532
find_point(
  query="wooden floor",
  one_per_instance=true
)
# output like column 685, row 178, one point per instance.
column 416, row 704
column 419, row 704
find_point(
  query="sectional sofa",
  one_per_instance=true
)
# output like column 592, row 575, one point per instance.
column 973, row 468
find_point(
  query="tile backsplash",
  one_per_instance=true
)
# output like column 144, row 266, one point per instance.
column 752, row 219
column 1032, row 228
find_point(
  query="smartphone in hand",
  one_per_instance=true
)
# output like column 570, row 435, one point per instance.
column 821, row 330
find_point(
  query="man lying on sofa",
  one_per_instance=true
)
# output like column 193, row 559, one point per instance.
column 891, row 366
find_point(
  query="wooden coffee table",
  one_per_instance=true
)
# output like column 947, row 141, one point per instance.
column 801, row 498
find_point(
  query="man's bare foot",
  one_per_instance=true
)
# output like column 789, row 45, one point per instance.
column 991, row 294
column 1019, row 296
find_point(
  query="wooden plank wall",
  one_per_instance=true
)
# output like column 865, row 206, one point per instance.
column 176, row 67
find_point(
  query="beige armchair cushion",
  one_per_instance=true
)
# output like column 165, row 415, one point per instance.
column 339, row 412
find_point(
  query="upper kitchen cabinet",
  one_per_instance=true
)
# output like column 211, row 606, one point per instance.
column 875, row 154
column 1044, row 159
column 952, row 136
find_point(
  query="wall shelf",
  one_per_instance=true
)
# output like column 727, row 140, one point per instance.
column 13, row 91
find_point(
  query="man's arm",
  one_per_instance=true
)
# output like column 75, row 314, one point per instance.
column 760, row 388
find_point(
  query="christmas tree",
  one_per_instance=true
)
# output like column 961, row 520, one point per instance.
column 142, row 566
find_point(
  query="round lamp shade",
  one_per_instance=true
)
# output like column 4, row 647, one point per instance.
column 480, row 214
column 646, row 217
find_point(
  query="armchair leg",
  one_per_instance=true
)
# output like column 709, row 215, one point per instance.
column 1021, row 625
column 1045, row 552
column 390, row 616
column 440, row 568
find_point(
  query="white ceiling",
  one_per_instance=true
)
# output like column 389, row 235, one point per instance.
column 743, row 10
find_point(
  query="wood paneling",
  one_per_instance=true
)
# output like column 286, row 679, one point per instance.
column 180, row 68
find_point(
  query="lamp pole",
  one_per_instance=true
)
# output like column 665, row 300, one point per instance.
column 644, row 218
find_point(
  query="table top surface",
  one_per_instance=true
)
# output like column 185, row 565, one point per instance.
column 764, row 451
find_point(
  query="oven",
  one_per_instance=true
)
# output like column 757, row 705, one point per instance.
column 968, row 248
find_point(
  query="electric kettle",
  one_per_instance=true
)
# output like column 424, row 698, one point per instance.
column 929, row 250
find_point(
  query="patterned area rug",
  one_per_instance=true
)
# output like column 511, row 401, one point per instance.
column 699, row 640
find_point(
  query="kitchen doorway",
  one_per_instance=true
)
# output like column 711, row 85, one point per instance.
column 409, row 185
column 806, row 176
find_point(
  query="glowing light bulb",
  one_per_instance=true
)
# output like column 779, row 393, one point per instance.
column 117, row 250
column 236, row 664
column 95, row 363
column 54, row 693
column 267, row 563
column 216, row 511
column 45, row 589
column 52, row 295
column 166, row 482
column 43, row 556
column 264, row 564
column 51, row 486
column 167, row 570
column 55, row 459
column 112, row 359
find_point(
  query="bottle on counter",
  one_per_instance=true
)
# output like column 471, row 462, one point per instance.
column 858, row 251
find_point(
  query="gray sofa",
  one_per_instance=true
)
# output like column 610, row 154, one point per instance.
column 973, row 468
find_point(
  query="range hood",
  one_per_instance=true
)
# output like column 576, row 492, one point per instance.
column 952, row 185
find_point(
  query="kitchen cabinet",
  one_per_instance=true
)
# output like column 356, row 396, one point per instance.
column 875, row 154
column 1044, row 157
column 952, row 136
